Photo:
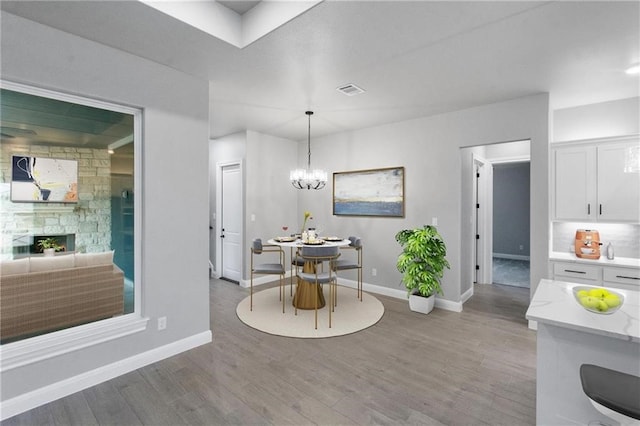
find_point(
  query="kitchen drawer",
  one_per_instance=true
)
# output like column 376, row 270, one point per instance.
column 576, row 270
column 628, row 276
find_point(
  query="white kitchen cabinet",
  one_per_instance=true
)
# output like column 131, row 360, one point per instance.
column 597, row 181
column 623, row 277
column 577, row 273
column 618, row 184
column 574, row 182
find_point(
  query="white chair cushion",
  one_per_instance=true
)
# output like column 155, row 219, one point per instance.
column 94, row 259
column 14, row 267
column 50, row 263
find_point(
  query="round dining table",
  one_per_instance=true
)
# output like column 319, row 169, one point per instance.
column 304, row 298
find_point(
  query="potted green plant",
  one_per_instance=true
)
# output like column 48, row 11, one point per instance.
column 422, row 263
column 49, row 246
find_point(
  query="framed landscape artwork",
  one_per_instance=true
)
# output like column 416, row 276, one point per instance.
column 377, row 192
column 44, row 180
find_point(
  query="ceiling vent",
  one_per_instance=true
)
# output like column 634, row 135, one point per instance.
column 350, row 90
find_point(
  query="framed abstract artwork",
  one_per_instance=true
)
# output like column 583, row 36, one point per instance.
column 44, row 180
column 376, row 192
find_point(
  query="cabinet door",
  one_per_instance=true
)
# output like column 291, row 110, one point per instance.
column 574, row 183
column 619, row 182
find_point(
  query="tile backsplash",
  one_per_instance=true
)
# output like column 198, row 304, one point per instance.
column 625, row 238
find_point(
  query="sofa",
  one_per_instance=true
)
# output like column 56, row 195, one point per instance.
column 43, row 294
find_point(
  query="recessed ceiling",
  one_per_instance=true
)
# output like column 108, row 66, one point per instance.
column 239, row 6
column 414, row 58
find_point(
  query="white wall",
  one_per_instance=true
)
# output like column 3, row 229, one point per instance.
column 174, row 193
column 228, row 149
column 270, row 197
column 615, row 118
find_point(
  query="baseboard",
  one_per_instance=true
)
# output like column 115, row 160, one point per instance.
column 371, row 288
column 466, row 295
column 38, row 397
column 510, row 256
column 445, row 304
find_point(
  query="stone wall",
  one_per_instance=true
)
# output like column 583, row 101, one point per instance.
column 89, row 219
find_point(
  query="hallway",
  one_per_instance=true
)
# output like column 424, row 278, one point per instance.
column 511, row 272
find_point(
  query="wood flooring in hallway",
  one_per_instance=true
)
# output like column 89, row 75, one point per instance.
column 476, row 367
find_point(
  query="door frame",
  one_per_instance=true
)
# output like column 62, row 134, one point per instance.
column 483, row 196
column 218, row 224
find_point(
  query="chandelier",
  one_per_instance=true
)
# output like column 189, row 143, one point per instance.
column 307, row 178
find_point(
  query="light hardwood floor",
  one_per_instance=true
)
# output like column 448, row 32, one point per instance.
column 471, row 368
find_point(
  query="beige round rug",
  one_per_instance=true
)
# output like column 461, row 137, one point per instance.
column 351, row 315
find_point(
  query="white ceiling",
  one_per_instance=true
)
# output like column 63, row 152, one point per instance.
column 414, row 58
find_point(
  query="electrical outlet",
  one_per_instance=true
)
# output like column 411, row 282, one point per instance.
column 374, row 272
column 434, row 221
column 162, row 323
column 521, row 247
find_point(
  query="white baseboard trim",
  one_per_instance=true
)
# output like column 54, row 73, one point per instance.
column 372, row 288
column 510, row 256
column 466, row 295
column 30, row 400
column 445, row 304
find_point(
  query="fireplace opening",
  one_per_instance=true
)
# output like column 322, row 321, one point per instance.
column 28, row 245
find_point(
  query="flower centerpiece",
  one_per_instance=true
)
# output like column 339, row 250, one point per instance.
column 307, row 215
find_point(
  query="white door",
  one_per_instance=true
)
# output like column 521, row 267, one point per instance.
column 484, row 220
column 231, row 222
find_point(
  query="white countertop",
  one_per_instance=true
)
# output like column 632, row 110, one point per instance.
column 603, row 261
column 553, row 303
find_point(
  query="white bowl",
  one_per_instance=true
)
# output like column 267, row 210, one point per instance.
column 594, row 309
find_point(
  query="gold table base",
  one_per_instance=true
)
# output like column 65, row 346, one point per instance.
column 305, row 297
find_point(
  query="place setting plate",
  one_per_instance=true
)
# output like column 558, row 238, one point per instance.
column 332, row 239
column 285, row 239
column 313, row 243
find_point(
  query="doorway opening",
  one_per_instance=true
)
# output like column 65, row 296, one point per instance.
column 510, row 257
column 496, row 211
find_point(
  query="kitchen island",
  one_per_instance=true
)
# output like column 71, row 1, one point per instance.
column 569, row 336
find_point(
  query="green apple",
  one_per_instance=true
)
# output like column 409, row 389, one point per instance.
column 590, row 302
column 612, row 300
column 598, row 292
column 602, row 306
column 582, row 293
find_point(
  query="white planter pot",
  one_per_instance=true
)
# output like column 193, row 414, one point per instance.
column 424, row 305
column 49, row 252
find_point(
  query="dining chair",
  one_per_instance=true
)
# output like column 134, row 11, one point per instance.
column 298, row 262
column 315, row 255
column 354, row 262
column 257, row 249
